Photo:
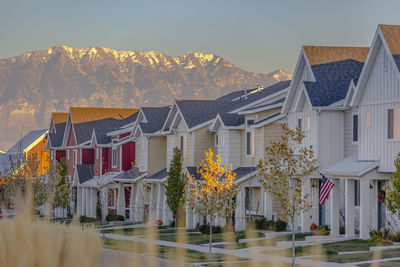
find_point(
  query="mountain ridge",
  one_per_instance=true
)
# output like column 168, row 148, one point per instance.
column 35, row 83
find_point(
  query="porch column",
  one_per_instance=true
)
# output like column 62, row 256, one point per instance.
column 306, row 219
column 365, row 208
column 159, row 202
column 240, row 223
column 139, row 203
column 349, row 207
column 121, row 200
column 334, row 208
column 79, row 201
column 94, row 202
column 104, row 202
column 87, row 200
column 167, row 218
column 267, row 204
column 132, row 202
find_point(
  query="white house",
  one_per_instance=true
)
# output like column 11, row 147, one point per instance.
column 318, row 102
column 376, row 100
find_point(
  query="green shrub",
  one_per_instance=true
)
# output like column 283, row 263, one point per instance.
column 395, row 237
column 380, row 236
column 84, row 219
column 205, row 229
column 280, row 225
column 114, row 217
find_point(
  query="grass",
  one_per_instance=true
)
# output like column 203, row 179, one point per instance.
column 268, row 242
column 165, row 252
column 330, row 251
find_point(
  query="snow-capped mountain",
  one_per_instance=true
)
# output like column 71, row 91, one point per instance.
column 38, row 82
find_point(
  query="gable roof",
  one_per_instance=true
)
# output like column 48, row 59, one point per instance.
column 59, row 117
column 155, row 117
column 317, row 55
column 85, row 172
column 26, row 141
column 158, row 176
column 87, row 114
column 83, row 131
column 333, row 68
column 57, row 137
column 391, row 34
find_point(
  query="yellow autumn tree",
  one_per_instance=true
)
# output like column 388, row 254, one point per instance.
column 212, row 194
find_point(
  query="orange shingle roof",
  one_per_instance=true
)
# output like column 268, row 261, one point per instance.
column 326, row 54
column 85, row 114
column 392, row 37
column 59, row 117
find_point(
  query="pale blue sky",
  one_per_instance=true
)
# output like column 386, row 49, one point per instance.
column 258, row 36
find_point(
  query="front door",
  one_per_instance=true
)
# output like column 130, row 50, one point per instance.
column 381, row 205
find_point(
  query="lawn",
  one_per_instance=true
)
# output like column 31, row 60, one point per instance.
column 330, row 252
column 167, row 252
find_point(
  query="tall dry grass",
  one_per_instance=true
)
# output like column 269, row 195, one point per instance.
column 26, row 240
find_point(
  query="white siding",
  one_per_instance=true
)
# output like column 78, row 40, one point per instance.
column 381, row 92
column 141, row 152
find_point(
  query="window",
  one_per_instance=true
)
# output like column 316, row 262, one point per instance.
column 394, row 123
column 355, row 128
column 299, row 123
column 216, row 139
column 183, row 146
column 249, row 143
column 112, row 197
column 356, row 193
column 368, row 118
column 74, row 158
column 308, row 121
column 114, row 157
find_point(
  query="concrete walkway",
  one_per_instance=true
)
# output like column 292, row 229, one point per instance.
column 122, row 227
column 245, row 254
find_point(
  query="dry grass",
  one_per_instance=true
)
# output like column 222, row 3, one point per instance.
column 28, row 241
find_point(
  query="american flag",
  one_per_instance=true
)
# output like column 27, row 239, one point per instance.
column 326, row 188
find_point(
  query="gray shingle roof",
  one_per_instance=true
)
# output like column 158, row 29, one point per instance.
column 84, row 130
column 130, row 174
column 156, row 117
column 26, row 141
column 279, row 101
column 332, row 81
column 4, row 162
column 196, row 112
column 232, row 119
column 158, row 175
column 57, row 137
column 85, row 172
column 240, row 172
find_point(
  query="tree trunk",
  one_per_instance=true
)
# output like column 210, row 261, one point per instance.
column 211, row 224
column 176, row 221
column 293, row 235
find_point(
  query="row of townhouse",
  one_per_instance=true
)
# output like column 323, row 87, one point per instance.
column 93, row 140
column 345, row 99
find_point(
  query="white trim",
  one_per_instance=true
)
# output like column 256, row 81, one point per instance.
column 113, row 158
column 278, row 117
column 260, row 109
column 281, row 92
column 80, row 154
column 120, row 158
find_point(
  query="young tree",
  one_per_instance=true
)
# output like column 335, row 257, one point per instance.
column 286, row 166
column 62, row 196
column 175, row 189
column 392, row 198
column 212, row 195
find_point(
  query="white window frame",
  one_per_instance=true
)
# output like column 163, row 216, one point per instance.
column 394, row 138
column 216, row 141
column 74, row 157
column 308, row 123
column 358, row 127
column 367, row 115
column 114, row 157
column 252, row 141
column 183, row 146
